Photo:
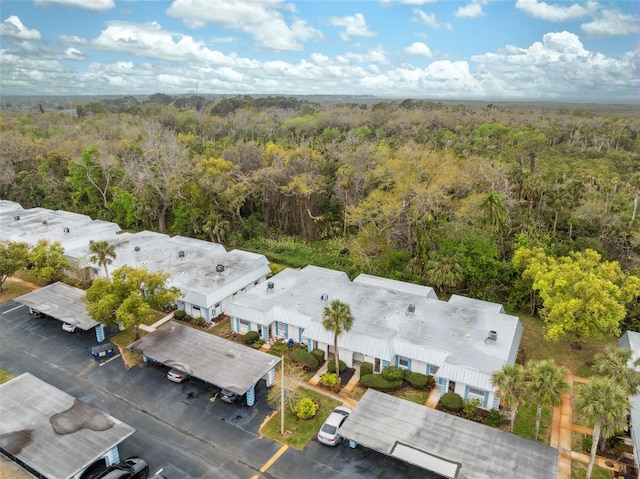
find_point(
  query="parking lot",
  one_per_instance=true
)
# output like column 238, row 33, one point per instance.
column 181, row 430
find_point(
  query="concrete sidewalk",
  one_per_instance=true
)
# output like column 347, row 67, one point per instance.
column 562, row 428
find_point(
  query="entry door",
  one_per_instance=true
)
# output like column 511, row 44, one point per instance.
column 452, row 386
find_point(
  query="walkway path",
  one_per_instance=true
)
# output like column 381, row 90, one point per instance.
column 562, row 428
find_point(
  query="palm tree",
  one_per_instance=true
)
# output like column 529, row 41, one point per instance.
column 103, row 254
column 601, row 401
column 511, row 387
column 337, row 318
column 617, row 364
column 546, row 382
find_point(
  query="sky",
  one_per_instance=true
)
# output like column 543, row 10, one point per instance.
column 570, row 50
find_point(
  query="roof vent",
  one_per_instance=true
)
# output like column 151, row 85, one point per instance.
column 219, row 268
column 324, row 297
column 137, row 248
column 91, row 241
column 181, row 254
column 66, row 230
column 493, row 336
column 270, row 285
column 411, row 309
column 45, row 222
column 16, row 217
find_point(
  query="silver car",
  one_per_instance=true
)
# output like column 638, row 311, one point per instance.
column 177, row 376
column 329, row 432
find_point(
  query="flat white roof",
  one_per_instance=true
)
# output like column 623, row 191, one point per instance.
column 72, row 230
column 443, row 443
column 192, row 263
column 53, row 432
column 383, row 323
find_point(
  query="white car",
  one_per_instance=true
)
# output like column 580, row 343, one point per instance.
column 329, row 432
column 177, row 376
column 68, row 327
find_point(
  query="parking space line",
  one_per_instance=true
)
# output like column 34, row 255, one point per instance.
column 273, row 459
column 13, row 309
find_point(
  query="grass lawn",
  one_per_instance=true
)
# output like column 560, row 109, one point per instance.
column 299, row 432
column 579, row 471
column 413, row 395
column 525, row 425
column 535, row 347
column 4, row 376
column 124, row 339
column 11, row 290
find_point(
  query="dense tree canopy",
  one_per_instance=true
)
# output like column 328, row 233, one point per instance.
column 435, row 193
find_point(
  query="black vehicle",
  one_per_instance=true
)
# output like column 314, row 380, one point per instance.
column 131, row 468
column 231, row 397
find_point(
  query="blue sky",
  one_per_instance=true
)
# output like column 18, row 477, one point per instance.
column 446, row 49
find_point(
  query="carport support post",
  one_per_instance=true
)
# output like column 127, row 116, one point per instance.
column 100, row 333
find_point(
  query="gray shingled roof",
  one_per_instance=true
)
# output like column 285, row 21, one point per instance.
column 62, row 302
column 444, row 443
column 53, row 432
column 205, row 356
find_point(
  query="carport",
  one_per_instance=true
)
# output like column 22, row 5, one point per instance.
column 52, row 434
column 448, row 445
column 207, row 357
column 64, row 303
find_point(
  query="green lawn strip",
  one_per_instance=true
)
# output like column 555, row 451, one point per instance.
column 301, row 431
column 4, row 376
column 124, row 339
column 419, row 397
column 525, row 425
column 579, row 471
column 535, row 347
column 11, row 290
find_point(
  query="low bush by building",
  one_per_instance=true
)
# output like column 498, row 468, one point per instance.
column 302, row 356
column 379, row 382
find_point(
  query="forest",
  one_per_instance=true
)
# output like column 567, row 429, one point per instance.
column 442, row 194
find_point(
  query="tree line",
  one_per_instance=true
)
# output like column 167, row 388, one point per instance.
column 435, row 193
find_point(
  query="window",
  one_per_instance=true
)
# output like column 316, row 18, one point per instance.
column 475, row 393
column 434, row 370
column 403, row 362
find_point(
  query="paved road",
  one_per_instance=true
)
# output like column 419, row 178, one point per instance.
column 179, row 429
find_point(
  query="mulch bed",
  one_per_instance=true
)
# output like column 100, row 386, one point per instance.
column 346, row 375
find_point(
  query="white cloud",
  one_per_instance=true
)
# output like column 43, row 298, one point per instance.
column 355, row 26
column 12, row 28
column 611, row 23
column 429, row 19
column 263, row 20
column 472, row 10
column 555, row 13
column 559, row 66
column 94, row 5
column 419, row 49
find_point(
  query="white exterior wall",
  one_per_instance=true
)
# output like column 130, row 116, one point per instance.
column 109, row 457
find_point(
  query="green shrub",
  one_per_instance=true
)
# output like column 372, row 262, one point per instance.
column 279, row 347
column 187, row 317
column 250, row 337
column 451, row 401
column 331, row 380
column 331, row 367
column 494, row 418
column 306, row 408
column 319, row 355
column 392, row 373
column 470, row 407
column 199, row 321
column 179, row 314
column 421, row 381
column 366, row 368
column 301, row 356
column 406, row 374
column 377, row 381
column 258, row 344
